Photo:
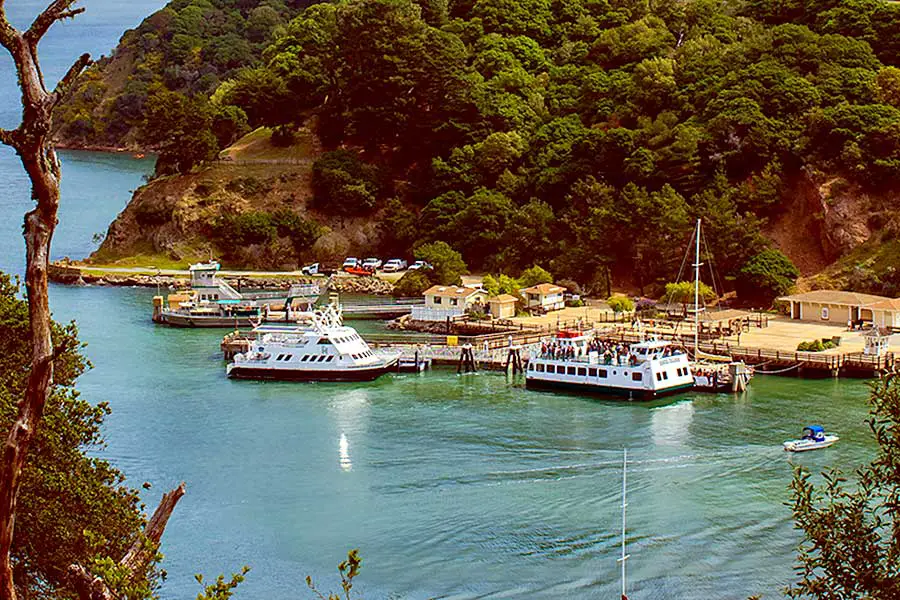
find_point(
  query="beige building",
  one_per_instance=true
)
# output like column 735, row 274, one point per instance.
column 841, row 308
column 545, row 296
column 444, row 302
column 503, row 306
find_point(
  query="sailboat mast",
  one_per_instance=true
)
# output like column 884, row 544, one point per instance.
column 697, row 291
column 624, row 505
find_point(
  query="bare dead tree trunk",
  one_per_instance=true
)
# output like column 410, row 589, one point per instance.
column 138, row 556
column 31, row 141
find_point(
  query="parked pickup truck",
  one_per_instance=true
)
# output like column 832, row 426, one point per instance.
column 318, row 269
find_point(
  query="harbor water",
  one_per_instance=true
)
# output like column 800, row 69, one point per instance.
column 451, row 486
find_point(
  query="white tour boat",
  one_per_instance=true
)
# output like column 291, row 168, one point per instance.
column 814, row 437
column 323, row 349
column 575, row 361
column 212, row 302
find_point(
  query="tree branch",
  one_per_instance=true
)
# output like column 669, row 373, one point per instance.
column 142, row 551
column 8, row 137
column 59, row 10
column 7, row 32
column 62, row 88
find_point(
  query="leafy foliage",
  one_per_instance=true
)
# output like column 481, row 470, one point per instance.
column 189, row 47
column 584, row 136
column 852, row 532
column 72, row 507
column 620, row 304
column 447, row 264
column 349, row 570
column 766, row 276
column 344, row 185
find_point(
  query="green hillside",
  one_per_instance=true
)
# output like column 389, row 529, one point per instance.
column 582, row 135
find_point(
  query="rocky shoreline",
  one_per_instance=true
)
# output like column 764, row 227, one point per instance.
column 71, row 275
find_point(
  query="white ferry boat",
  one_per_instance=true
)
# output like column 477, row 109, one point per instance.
column 575, row 361
column 211, row 302
column 323, row 349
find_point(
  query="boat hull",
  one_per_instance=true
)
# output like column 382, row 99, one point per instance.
column 606, row 391
column 176, row 320
column 807, row 445
column 337, row 375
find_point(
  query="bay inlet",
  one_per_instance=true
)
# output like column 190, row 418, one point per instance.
column 451, row 486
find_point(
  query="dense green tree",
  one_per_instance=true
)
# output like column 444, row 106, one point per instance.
column 534, row 275
column 182, row 128
column 685, row 292
column 447, row 264
column 766, row 276
column 73, row 505
column 344, row 185
column 851, row 532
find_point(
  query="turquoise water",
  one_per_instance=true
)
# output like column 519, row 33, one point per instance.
column 451, row 486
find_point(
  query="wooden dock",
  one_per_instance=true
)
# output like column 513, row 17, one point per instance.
column 491, row 351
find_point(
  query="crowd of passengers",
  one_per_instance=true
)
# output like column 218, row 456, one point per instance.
column 611, row 353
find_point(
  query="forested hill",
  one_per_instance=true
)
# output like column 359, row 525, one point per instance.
column 190, row 47
column 582, row 135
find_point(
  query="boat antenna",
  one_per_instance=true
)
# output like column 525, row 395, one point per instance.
column 625, row 556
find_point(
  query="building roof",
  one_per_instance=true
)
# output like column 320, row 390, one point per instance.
column 835, row 297
column 889, row 304
column 544, row 289
column 722, row 315
column 452, row 291
column 504, row 299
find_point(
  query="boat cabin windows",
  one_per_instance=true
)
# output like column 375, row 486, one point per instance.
column 659, row 376
column 582, row 371
column 323, row 341
column 636, row 376
column 540, row 368
column 551, row 369
column 571, row 371
column 592, row 372
column 601, row 372
column 305, row 358
column 665, row 375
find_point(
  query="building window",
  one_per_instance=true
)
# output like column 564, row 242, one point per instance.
column 825, row 313
column 437, row 300
column 454, row 302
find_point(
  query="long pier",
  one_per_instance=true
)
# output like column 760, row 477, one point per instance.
column 491, row 350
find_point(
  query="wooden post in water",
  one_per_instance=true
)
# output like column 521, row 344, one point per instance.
column 514, row 359
column 466, row 360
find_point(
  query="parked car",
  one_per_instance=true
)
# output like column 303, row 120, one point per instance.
column 350, row 263
column 420, row 264
column 372, row 263
column 394, row 265
column 318, row 269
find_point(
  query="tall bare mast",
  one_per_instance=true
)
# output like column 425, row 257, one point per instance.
column 697, row 265
column 624, row 557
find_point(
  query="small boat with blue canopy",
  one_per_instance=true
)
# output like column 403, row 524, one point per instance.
column 814, row 437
